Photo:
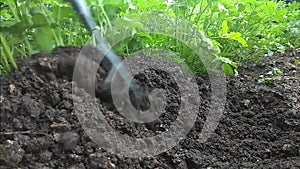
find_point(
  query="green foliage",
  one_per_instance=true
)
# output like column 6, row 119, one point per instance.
column 228, row 65
column 164, row 39
column 270, row 77
column 31, row 26
column 243, row 30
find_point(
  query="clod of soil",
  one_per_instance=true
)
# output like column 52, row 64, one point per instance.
column 260, row 127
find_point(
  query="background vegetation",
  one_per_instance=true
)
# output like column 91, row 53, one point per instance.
column 242, row 30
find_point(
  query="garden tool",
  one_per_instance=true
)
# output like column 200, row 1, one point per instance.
column 84, row 12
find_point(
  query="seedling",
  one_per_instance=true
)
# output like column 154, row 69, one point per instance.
column 273, row 75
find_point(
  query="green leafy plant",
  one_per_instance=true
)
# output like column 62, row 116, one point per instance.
column 242, row 31
column 271, row 76
column 31, row 26
column 296, row 62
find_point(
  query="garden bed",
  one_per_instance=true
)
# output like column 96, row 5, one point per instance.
column 260, row 127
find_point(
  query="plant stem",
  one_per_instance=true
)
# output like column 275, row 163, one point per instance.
column 28, row 45
column 7, row 52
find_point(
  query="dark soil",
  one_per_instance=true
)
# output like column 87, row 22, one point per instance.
column 260, row 127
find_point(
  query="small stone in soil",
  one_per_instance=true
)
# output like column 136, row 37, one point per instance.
column 1, row 99
column 68, row 140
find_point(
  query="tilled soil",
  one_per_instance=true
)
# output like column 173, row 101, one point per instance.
column 260, row 127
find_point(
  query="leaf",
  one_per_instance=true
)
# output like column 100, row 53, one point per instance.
column 224, row 59
column 238, row 37
column 224, row 28
column 277, row 71
column 241, row 7
column 8, row 23
column 114, row 2
column 44, row 38
column 112, row 11
column 64, row 12
column 15, row 39
column 17, row 28
column 234, row 64
column 39, row 19
column 256, row 59
column 296, row 62
column 128, row 22
column 228, row 61
column 222, row 7
column 145, row 38
column 227, row 69
column 5, row 15
column 217, row 46
column 270, row 53
column 269, row 80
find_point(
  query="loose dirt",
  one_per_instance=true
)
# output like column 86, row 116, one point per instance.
column 260, row 127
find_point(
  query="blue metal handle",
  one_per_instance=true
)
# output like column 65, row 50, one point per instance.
column 82, row 9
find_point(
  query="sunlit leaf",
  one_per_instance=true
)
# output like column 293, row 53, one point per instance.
column 238, row 37
column 227, row 69
column 44, row 38
column 39, row 19
column 114, row 2
column 224, row 28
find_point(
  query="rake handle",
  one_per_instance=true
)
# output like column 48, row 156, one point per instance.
column 84, row 12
